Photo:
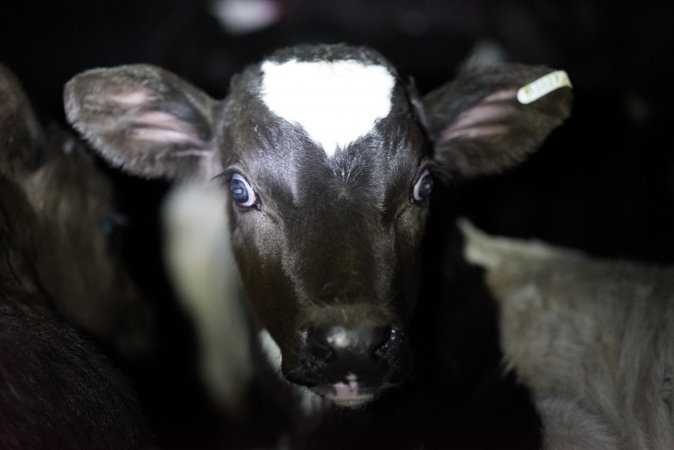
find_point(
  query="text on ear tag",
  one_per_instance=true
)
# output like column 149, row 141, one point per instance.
column 543, row 86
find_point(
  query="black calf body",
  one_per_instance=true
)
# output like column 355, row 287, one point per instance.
column 56, row 391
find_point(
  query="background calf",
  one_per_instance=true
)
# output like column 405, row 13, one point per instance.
column 593, row 340
column 56, row 390
column 77, row 226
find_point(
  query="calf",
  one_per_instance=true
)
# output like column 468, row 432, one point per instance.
column 77, row 262
column 329, row 157
column 56, row 391
column 592, row 339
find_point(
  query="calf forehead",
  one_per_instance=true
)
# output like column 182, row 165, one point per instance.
column 335, row 102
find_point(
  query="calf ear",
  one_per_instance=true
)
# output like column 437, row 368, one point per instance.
column 491, row 118
column 143, row 119
column 21, row 136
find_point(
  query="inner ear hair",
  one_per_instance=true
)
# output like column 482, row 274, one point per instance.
column 479, row 127
column 142, row 119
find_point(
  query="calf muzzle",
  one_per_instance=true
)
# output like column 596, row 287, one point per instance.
column 350, row 355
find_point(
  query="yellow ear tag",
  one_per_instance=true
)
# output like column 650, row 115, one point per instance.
column 543, row 86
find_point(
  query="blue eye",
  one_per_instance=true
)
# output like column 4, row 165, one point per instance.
column 423, row 186
column 242, row 193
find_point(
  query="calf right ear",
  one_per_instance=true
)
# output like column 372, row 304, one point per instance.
column 143, row 119
column 491, row 118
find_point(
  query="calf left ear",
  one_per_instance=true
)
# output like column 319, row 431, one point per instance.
column 21, row 136
column 491, row 118
column 143, row 119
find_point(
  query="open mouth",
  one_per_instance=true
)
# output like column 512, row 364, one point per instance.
column 348, row 394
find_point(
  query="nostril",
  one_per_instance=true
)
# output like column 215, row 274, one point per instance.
column 323, row 352
column 318, row 345
column 326, row 344
column 386, row 343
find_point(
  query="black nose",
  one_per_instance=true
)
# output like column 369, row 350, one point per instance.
column 363, row 343
column 367, row 350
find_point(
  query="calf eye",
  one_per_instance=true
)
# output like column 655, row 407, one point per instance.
column 423, row 186
column 109, row 224
column 242, row 193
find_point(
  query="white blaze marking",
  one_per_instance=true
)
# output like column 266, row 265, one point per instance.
column 335, row 102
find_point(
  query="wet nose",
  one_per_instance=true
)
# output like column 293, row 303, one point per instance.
column 337, row 343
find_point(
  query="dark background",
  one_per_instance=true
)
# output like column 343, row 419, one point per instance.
column 603, row 182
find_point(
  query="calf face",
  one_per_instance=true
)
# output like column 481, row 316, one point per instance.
column 77, row 261
column 329, row 157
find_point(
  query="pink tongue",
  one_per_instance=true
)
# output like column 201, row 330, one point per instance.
column 345, row 391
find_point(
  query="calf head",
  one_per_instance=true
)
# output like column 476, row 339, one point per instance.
column 72, row 201
column 329, row 158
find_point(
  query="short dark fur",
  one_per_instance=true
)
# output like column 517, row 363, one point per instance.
column 74, row 206
column 21, row 137
column 330, row 53
column 56, row 390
